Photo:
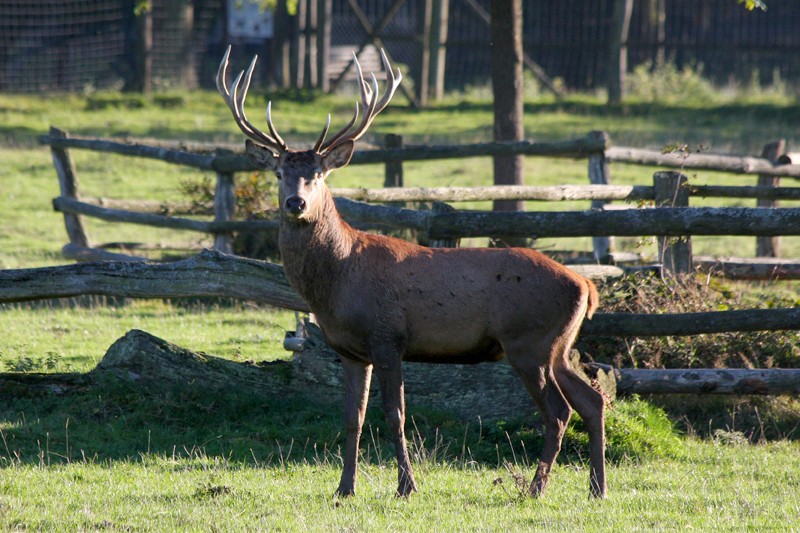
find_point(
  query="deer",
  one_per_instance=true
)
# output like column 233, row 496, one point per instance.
column 381, row 300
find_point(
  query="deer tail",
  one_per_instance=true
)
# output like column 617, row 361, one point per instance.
column 594, row 299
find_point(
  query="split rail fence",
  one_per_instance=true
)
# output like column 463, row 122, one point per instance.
column 671, row 219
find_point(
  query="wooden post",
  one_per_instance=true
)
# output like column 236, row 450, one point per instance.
column 224, row 210
column 68, row 183
column 770, row 246
column 323, row 44
column 438, row 208
column 599, row 174
column 670, row 190
column 394, row 167
column 438, row 47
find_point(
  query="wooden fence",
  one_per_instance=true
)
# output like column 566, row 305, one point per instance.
column 670, row 193
column 215, row 274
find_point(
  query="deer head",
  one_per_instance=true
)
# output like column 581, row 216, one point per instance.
column 302, row 173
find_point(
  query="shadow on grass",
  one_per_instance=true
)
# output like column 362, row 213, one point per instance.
column 119, row 412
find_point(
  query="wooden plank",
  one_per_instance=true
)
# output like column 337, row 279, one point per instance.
column 724, row 191
column 734, row 164
column 628, row 193
column 762, row 268
column 169, row 155
column 69, row 205
column 197, row 155
column 152, row 206
column 669, row 221
column 684, row 324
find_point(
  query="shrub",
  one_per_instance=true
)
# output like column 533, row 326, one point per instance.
column 651, row 294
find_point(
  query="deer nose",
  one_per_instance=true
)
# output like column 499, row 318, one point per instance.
column 295, row 205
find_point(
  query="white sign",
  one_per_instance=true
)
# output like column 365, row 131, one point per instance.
column 247, row 19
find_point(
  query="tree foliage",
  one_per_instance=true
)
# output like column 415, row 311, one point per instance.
column 753, row 4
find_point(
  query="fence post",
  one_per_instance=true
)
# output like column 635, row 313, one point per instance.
column 393, row 176
column 224, row 210
column 599, row 174
column 68, row 183
column 670, row 190
column 770, row 246
column 438, row 208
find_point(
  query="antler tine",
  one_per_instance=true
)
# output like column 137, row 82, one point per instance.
column 370, row 103
column 322, row 135
column 235, row 103
column 272, row 128
column 338, row 135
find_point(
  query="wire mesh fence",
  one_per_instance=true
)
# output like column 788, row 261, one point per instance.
column 86, row 45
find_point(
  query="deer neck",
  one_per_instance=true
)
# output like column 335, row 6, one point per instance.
column 315, row 251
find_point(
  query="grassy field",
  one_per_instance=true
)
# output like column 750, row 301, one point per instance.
column 125, row 459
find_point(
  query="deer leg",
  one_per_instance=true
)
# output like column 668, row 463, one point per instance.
column 543, row 388
column 391, row 379
column 590, row 405
column 357, row 377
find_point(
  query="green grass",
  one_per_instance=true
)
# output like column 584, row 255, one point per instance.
column 118, row 457
column 73, row 338
column 720, row 488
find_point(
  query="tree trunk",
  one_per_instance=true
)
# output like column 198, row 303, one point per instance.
column 506, row 56
column 618, row 50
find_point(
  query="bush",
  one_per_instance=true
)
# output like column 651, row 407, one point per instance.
column 650, row 294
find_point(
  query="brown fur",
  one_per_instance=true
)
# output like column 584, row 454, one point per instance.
column 381, row 300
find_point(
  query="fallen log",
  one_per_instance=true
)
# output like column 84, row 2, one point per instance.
column 208, row 274
column 708, row 381
column 486, row 390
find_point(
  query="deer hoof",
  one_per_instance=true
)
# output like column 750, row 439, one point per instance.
column 344, row 492
column 404, row 490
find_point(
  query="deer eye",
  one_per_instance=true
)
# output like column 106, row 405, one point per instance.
column 278, row 174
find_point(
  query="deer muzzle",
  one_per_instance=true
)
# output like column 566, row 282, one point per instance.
column 295, row 206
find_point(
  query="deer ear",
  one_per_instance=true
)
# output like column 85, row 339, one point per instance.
column 261, row 156
column 338, row 157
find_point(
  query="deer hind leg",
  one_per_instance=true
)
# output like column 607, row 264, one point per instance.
column 537, row 376
column 357, row 377
column 590, row 405
column 390, row 376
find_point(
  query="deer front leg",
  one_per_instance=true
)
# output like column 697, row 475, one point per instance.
column 391, row 379
column 357, row 377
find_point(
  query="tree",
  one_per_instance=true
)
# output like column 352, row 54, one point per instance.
column 506, row 46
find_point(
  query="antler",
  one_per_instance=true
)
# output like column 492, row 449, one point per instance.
column 370, row 104
column 235, row 100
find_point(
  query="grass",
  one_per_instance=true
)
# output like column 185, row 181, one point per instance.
column 117, row 457
column 722, row 487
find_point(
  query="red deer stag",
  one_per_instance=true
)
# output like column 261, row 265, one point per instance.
column 382, row 300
